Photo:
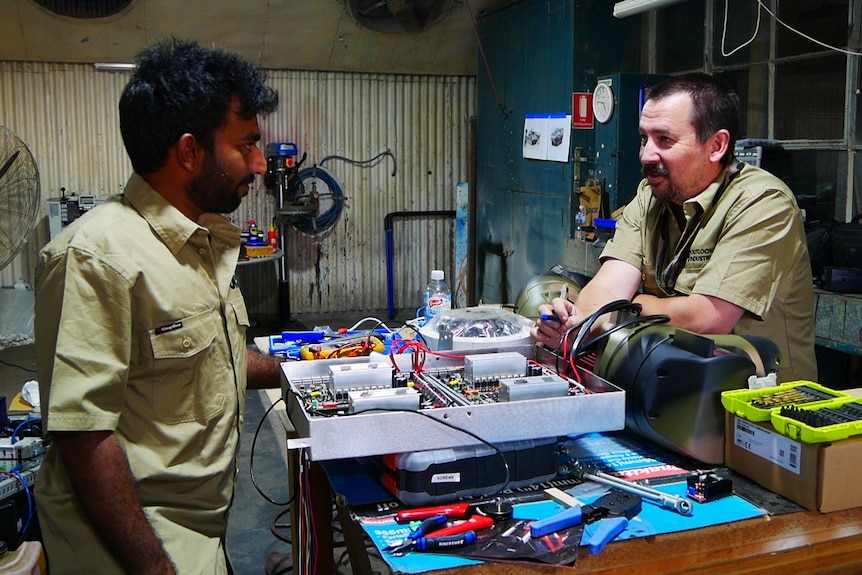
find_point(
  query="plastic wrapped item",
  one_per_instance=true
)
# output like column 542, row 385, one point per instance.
column 476, row 328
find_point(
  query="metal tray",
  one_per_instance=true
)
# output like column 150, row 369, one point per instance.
column 379, row 433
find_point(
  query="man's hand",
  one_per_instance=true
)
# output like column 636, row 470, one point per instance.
column 563, row 316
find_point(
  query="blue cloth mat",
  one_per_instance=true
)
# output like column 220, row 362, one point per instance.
column 652, row 520
column 358, row 481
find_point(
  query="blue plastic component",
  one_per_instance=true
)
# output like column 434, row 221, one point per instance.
column 557, row 522
column 447, row 542
column 281, row 149
column 607, row 531
column 288, row 343
column 428, row 526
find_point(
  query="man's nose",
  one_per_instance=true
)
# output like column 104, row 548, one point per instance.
column 647, row 153
column 257, row 161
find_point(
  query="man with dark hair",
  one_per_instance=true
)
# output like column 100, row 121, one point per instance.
column 715, row 244
column 141, row 330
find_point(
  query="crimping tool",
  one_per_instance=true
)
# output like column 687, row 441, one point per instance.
column 613, row 510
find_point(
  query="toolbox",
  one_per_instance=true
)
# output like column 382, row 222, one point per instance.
column 443, row 475
column 345, row 408
column 759, row 404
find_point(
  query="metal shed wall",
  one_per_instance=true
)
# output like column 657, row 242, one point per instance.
column 67, row 115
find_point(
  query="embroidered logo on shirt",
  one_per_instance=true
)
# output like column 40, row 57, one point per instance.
column 167, row 328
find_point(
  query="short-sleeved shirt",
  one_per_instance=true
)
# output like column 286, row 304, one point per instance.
column 749, row 250
column 140, row 330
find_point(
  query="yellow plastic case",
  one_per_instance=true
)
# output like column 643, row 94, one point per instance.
column 738, row 401
column 806, row 433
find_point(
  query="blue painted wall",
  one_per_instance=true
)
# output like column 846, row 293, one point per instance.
column 538, row 53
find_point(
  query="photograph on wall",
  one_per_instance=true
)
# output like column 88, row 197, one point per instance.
column 536, row 136
column 559, row 133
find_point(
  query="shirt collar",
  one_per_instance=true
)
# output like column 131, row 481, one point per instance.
column 171, row 225
column 707, row 196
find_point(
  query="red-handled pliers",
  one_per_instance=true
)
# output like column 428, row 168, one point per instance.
column 456, row 511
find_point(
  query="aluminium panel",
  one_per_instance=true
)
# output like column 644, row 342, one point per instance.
column 379, row 433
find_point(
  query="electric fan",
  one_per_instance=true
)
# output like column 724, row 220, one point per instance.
column 19, row 195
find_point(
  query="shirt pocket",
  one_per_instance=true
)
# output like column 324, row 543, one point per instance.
column 183, row 358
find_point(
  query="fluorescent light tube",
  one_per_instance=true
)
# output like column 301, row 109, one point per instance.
column 630, row 7
column 114, row 66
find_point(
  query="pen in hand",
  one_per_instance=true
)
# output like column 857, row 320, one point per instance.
column 550, row 317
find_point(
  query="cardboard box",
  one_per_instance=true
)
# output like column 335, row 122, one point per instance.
column 819, row 476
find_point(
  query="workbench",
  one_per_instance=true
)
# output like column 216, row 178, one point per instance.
column 789, row 539
column 792, row 542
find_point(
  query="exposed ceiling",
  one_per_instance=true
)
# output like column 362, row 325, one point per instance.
column 283, row 34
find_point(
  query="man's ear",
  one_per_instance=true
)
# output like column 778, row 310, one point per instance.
column 189, row 152
column 720, row 142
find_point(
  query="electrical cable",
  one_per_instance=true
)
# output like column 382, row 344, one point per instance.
column 251, row 459
column 21, row 367
column 764, row 7
column 583, row 328
column 380, row 323
column 653, row 319
column 617, row 305
column 496, row 449
column 485, row 59
column 31, row 504
column 373, row 161
column 26, row 422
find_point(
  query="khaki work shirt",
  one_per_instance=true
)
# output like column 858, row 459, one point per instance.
column 750, row 251
column 140, row 330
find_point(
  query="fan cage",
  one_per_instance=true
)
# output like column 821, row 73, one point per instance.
column 19, row 195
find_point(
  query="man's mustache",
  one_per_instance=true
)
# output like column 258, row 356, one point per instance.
column 654, row 170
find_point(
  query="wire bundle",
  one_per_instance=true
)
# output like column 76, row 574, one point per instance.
column 580, row 346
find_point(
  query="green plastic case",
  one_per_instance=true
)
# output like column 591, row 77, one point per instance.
column 738, row 401
column 800, row 431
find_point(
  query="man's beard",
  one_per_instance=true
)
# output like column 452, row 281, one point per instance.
column 213, row 191
column 670, row 194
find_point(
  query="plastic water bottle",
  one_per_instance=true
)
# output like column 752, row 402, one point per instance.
column 438, row 296
column 580, row 223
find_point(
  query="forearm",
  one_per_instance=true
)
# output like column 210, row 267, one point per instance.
column 264, row 371
column 616, row 280
column 697, row 313
column 103, row 483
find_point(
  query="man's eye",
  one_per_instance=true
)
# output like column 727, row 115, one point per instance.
column 643, row 140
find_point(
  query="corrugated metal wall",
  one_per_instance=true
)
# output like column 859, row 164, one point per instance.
column 66, row 113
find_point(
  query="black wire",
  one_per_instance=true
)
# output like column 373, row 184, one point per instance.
column 274, row 526
column 583, row 327
column 27, row 369
column 360, row 162
column 617, row 305
column 652, row 319
column 251, row 459
column 496, row 449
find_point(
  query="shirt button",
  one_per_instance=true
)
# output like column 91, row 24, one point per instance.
column 202, row 251
column 187, row 343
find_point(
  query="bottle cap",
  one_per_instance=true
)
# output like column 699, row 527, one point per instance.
column 437, row 274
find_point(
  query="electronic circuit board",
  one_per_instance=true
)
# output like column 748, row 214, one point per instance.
column 356, row 407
